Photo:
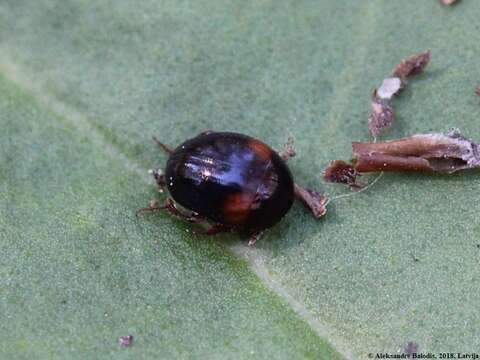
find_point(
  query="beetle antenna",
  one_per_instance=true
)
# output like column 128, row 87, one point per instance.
column 164, row 147
column 357, row 192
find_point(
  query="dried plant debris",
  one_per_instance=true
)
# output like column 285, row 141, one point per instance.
column 413, row 65
column 446, row 153
column 477, row 91
column 126, row 341
column 339, row 171
column 390, row 86
column 380, row 118
column 381, row 115
column 381, row 110
column 448, row 2
column 313, row 200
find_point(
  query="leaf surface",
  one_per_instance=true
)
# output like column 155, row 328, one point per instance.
column 86, row 84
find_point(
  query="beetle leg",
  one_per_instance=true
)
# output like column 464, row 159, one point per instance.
column 159, row 178
column 313, row 200
column 288, row 150
column 195, row 219
column 164, row 147
column 170, row 207
column 253, row 239
column 212, row 230
column 153, row 206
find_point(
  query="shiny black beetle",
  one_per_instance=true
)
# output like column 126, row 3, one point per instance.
column 232, row 182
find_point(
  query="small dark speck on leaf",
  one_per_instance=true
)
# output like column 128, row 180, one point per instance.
column 448, row 2
column 126, row 341
column 411, row 348
column 415, row 259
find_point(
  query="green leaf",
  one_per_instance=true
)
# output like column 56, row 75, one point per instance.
column 78, row 270
column 85, row 84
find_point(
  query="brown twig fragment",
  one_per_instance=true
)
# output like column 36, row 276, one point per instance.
column 424, row 152
column 339, row 171
column 314, row 201
column 413, row 65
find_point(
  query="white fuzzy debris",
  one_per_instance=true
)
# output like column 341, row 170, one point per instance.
column 389, row 87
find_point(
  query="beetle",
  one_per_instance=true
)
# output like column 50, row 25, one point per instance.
column 232, row 182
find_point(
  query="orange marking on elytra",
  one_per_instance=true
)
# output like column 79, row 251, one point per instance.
column 237, row 207
column 260, row 149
